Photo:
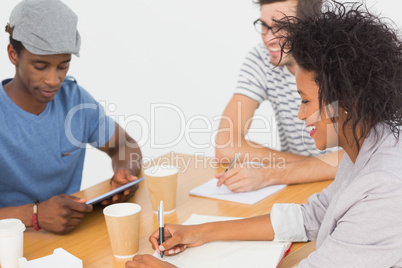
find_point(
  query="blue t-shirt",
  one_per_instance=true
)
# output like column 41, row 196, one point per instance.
column 43, row 155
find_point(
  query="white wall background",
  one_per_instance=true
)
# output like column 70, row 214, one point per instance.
column 136, row 54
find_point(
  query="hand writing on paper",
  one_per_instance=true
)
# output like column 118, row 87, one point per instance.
column 246, row 177
column 62, row 213
column 148, row 261
column 121, row 177
column 177, row 238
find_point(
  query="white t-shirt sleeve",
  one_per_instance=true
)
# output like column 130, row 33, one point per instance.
column 287, row 221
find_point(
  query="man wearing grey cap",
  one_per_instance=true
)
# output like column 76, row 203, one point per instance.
column 46, row 121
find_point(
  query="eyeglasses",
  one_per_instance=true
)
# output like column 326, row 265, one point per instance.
column 263, row 29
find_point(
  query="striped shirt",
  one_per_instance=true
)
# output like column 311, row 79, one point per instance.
column 260, row 80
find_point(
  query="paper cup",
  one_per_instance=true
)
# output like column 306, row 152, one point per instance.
column 123, row 226
column 162, row 185
column 11, row 242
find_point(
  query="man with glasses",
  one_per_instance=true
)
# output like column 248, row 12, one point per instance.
column 267, row 74
column 46, row 121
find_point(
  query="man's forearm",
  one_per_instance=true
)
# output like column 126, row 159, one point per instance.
column 128, row 156
column 124, row 152
column 253, row 152
column 24, row 213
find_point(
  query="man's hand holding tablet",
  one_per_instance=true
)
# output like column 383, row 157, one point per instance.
column 124, row 186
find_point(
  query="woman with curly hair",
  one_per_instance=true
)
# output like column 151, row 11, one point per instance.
column 350, row 83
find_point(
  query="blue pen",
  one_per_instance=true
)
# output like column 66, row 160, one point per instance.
column 161, row 224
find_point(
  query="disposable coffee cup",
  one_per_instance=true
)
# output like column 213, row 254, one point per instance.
column 123, row 226
column 162, row 186
column 11, row 242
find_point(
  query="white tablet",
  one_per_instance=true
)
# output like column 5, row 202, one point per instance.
column 113, row 192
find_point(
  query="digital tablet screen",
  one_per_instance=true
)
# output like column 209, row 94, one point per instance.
column 113, row 192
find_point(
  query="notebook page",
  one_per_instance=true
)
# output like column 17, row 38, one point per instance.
column 209, row 189
column 228, row 253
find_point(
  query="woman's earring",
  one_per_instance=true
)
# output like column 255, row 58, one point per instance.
column 346, row 112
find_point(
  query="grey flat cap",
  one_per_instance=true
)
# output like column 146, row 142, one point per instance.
column 45, row 27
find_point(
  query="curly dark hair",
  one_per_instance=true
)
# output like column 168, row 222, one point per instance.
column 357, row 61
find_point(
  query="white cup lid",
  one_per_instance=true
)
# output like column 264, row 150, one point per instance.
column 11, row 226
column 121, row 209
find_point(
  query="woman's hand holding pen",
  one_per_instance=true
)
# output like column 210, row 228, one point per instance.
column 177, row 238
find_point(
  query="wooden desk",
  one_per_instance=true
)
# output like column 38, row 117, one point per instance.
column 90, row 241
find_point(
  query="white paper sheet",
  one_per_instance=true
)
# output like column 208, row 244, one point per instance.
column 60, row 258
column 232, row 254
column 209, row 189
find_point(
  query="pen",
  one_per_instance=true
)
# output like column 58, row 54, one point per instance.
column 237, row 155
column 161, row 224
